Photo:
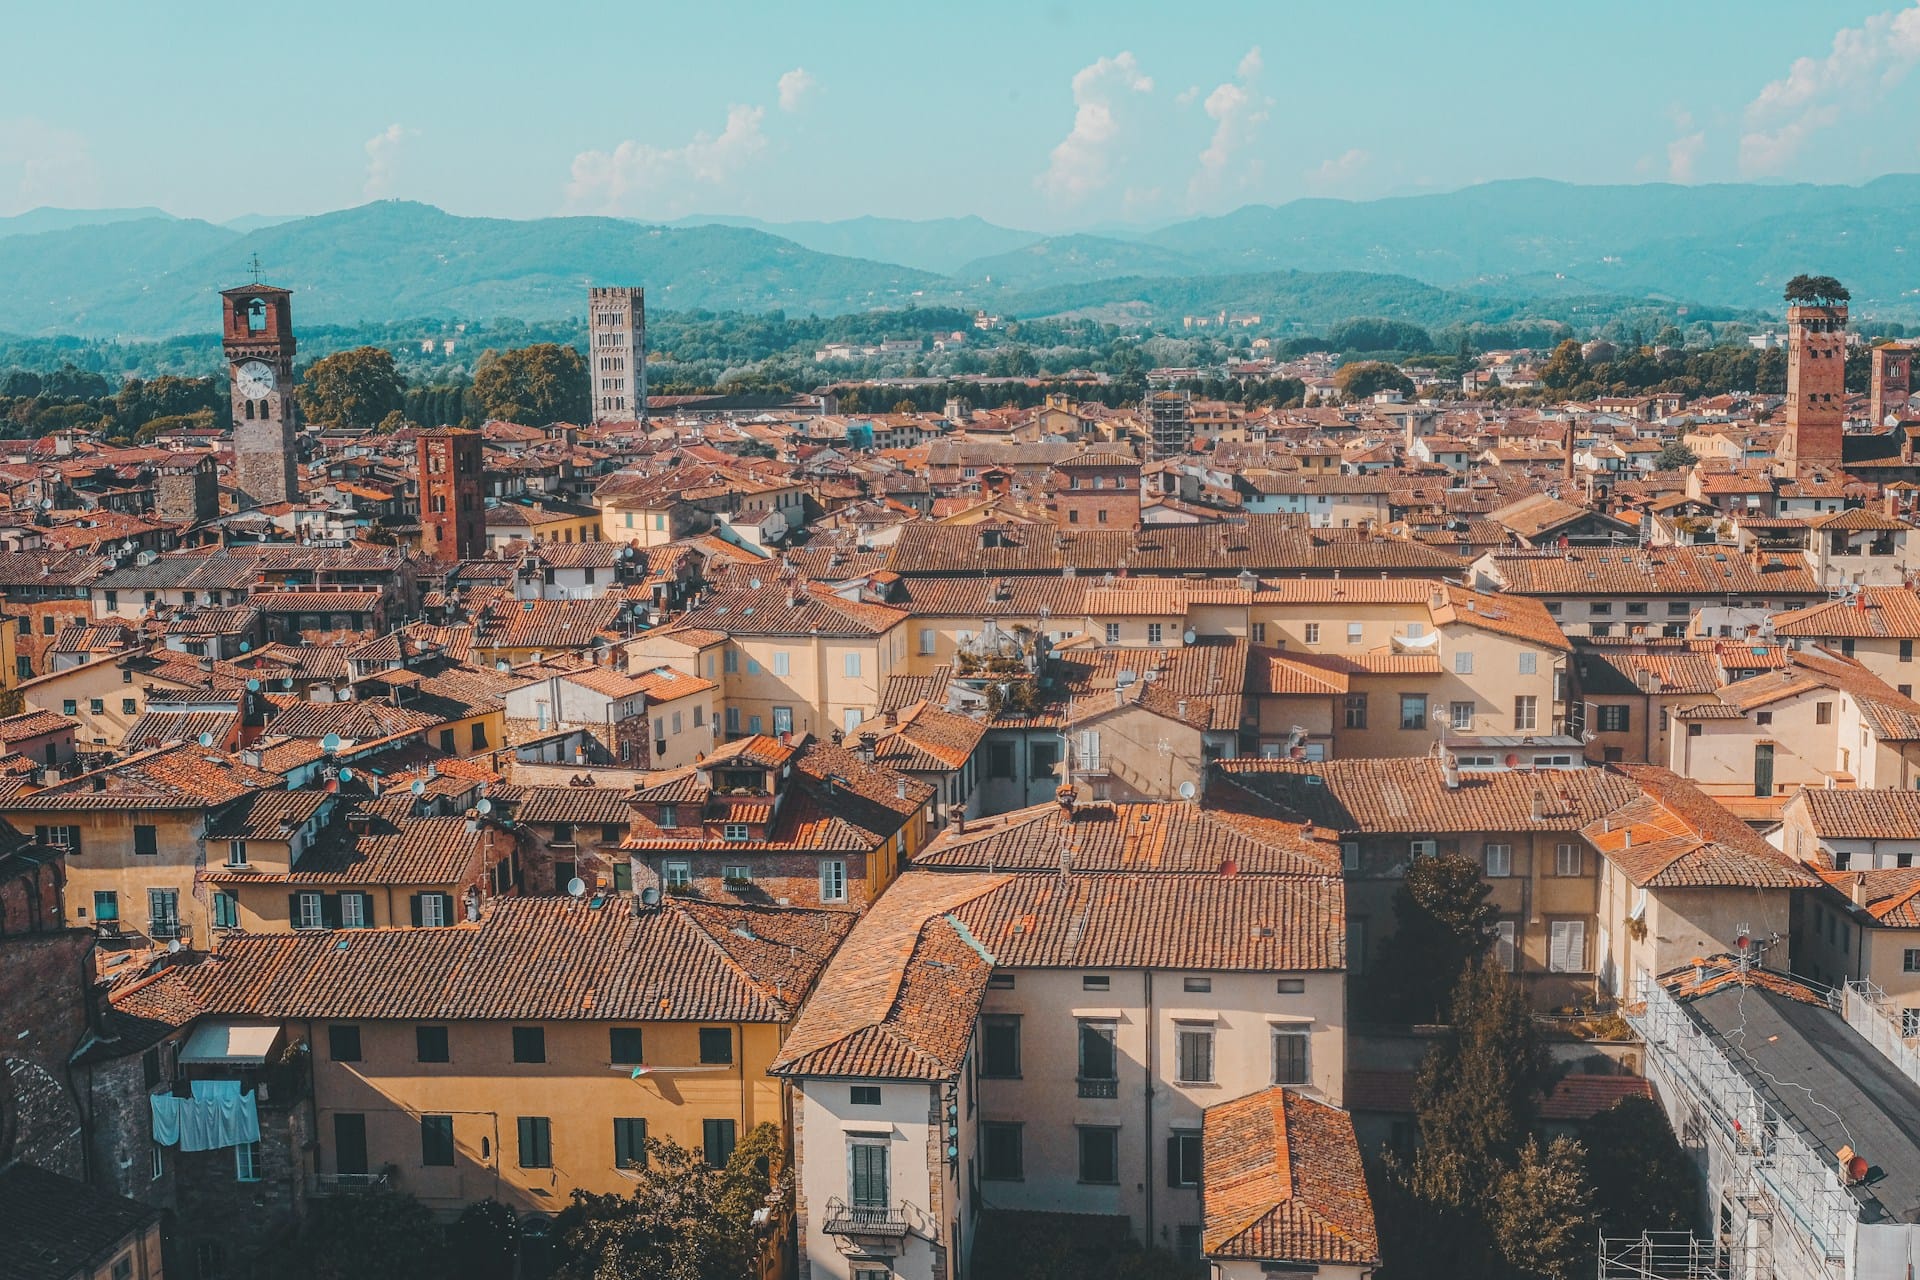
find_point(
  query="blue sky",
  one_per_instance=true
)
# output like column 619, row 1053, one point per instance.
column 1042, row 115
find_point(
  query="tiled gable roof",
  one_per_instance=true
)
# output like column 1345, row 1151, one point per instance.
column 1411, row 795
column 1674, row 836
column 186, row 777
column 1652, row 571
column 1877, row 814
column 1153, row 837
column 683, row 962
column 1283, row 1182
column 1869, row 613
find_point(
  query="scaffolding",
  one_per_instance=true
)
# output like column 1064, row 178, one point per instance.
column 1670, row 1255
column 1783, row 1210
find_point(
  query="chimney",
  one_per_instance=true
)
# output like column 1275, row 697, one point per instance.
column 250, row 757
column 1857, row 890
column 1065, row 794
column 1450, row 770
column 1539, row 805
column 359, row 822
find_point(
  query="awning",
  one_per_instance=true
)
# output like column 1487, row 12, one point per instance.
column 233, row 1044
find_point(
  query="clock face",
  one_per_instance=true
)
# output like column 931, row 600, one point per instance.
column 254, row 380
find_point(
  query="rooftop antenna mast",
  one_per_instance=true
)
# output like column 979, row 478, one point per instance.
column 253, row 266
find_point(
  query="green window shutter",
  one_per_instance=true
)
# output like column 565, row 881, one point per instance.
column 330, row 910
column 413, row 903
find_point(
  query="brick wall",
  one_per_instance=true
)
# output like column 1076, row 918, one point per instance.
column 43, row 1016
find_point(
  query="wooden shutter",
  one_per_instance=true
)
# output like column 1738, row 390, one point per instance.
column 330, row 910
column 1503, row 951
column 1173, row 1160
column 1576, row 946
column 413, row 904
column 366, row 911
column 293, row 911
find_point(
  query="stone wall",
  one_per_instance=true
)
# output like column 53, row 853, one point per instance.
column 43, row 1017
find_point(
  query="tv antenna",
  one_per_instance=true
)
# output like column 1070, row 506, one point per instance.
column 253, row 266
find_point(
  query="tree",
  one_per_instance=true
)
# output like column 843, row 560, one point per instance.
column 1368, row 377
column 379, row 1235
column 483, row 1243
column 1443, row 922
column 1541, row 1213
column 1478, row 1089
column 354, row 388
column 1815, row 291
column 543, row 383
column 1675, row 456
column 1565, row 367
column 685, row 1219
column 1642, row 1179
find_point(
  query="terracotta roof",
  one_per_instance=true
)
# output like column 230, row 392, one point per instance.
column 1283, row 1182
column 686, row 961
column 1870, row 613
column 782, row 608
column 316, row 601
column 1160, row 837
column 1411, row 795
column 1674, row 836
column 579, row 806
column 186, row 777
column 56, row 1227
column 405, row 851
column 32, row 724
column 899, row 998
column 1653, row 571
column 158, row 726
column 1878, row 814
column 266, row 815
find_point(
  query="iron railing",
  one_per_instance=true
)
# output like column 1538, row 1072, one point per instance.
column 843, row 1219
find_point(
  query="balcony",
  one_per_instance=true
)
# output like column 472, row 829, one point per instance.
column 1095, row 1088
column 346, row 1184
column 843, row 1219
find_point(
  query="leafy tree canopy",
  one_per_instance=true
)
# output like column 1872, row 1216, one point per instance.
column 355, row 388
column 543, row 383
column 1443, row 923
column 1815, row 291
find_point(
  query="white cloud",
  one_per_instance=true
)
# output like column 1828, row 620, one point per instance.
column 795, row 85
column 1336, row 175
column 1187, row 96
column 383, row 151
column 42, row 163
column 1237, row 110
column 639, row 177
column 1817, row 93
column 1683, row 156
column 1079, row 165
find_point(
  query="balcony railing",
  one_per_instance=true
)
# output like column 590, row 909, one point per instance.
column 843, row 1219
column 336, row 1184
column 1095, row 1088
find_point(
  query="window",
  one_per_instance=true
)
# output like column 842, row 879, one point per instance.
column 146, row 840
column 1423, row 848
column 236, row 853
column 864, row 1095
column 226, row 910
column 1615, row 719
column 1526, row 713
column 356, row 911
column 867, row 1175
column 716, row 1140
column 1096, row 982
column 669, row 818
column 1600, row 609
column 1356, row 711
column 716, row 1046
column 1313, row 633
column 678, row 873
column 1503, row 949
column 129, row 707
column 1460, row 716
column 1099, row 1154
column 736, row 873
column 1000, row 1047
column 1195, row 1059
column 430, row 1045
column 1823, row 713
column 106, row 906
column 529, row 1044
column 999, row 759
column 70, row 706
column 97, row 705
column 1499, row 860
column 1154, row 633
column 833, row 880
column 1113, row 633
column 307, row 911
column 1568, row 860
column 1183, row 1158
column 1462, row 662
column 1349, row 855
column 629, row 1142
column 343, row 1042
column 1354, row 632
column 433, row 909
column 624, row 1046
column 1000, row 1152
column 1763, row 717
column 1910, row 960
column 1259, row 633
column 1199, row 986
column 1567, row 946
column 246, row 1162
column 853, row 666
column 1290, row 986
column 536, row 1142
column 1413, row 711
column 926, row 640
column 436, row 1141
column 1099, row 1064
column 1529, row 663
column 782, row 664
column 1290, row 1057
column 737, row 831
column 730, row 660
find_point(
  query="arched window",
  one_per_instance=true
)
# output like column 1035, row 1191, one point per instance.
column 249, row 409
column 256, row 316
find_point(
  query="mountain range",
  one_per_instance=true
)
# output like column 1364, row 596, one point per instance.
column 1512, row 248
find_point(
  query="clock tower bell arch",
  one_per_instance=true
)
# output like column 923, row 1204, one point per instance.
column 257, row 336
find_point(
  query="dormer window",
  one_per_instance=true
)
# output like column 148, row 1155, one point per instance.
column 256, row 316
column 669, row 819
column 737, row 831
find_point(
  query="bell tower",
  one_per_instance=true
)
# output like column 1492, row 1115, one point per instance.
column 1816, row 387
column 257, row 335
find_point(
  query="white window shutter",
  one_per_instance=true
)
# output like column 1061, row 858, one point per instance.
column 1557, row 948
column 1576, row 946
column 1503, row 952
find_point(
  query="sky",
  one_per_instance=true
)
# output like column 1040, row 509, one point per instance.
column 1040, row 115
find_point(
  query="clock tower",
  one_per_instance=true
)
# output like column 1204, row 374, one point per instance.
column 257, row 334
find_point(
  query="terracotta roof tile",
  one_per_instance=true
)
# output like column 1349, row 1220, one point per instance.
column 1283, row 1182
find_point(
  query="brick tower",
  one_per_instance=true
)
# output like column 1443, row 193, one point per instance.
column 257, row 335
column 1892, row 383
column 617, row 353
column 1816, row 387
column 453, row 515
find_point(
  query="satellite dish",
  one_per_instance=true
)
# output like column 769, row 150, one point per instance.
column 286, row 682
column 173, row 946
column 346, row 693
column 500, row 666
column 418, row 788
column 650, row 896
column 253, row 686
column 206, row 739
column 245, row 645
column 330, row 743
column 46, row 504
column 577, row 887
column 346, row 775
column 1186, row 791
column 484, row 805
column 1190, row 636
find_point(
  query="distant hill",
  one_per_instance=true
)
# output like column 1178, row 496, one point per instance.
column 47, row 218
column 153, row 277
column 1077, row 259
column 941, row 245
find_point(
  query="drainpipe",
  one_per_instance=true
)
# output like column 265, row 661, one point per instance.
column 1153, row 1032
